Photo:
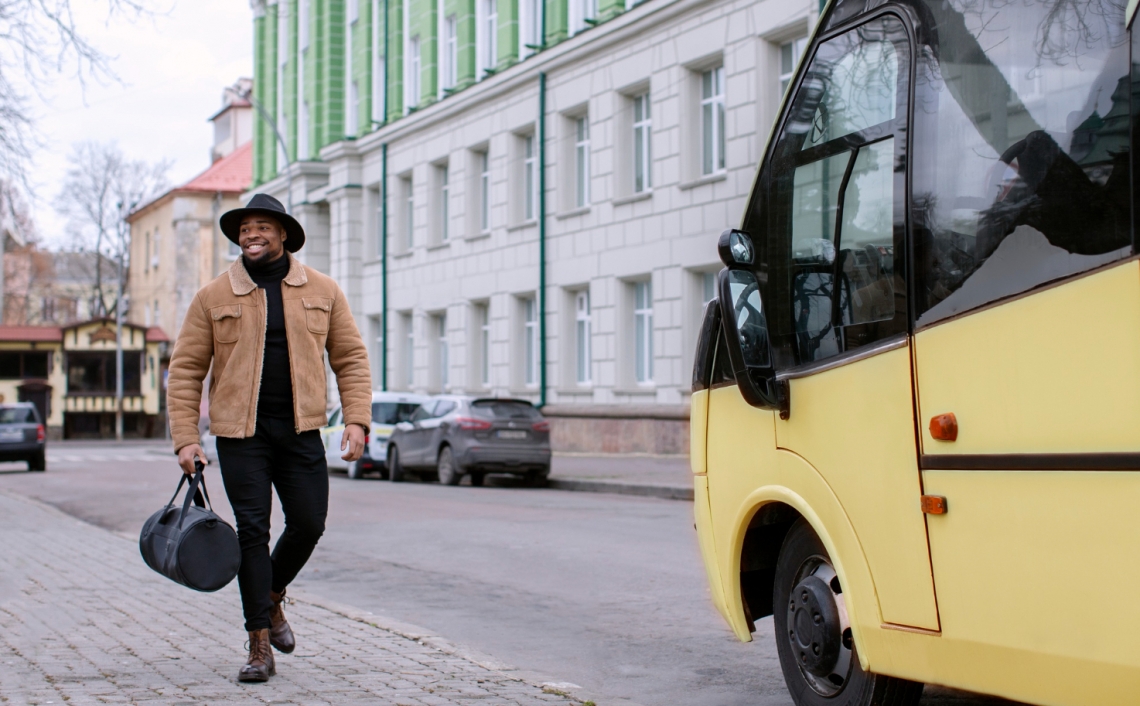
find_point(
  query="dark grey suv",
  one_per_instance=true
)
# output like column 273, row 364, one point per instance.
column 454, row 435
column 22, row 436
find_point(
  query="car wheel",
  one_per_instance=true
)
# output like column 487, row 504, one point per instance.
column 449, row 473
column 537, row 479
column 395, row 471
column 37, row 462
column 813, row 637
column 477, row 479
column 354, row 471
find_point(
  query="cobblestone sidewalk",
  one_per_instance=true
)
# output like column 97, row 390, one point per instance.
column 84, row 621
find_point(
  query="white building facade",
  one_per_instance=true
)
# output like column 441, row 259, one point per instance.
column 549, row 232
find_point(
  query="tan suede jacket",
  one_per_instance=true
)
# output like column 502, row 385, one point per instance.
column 225, row 326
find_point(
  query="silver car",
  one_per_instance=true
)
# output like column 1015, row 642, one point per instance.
column 388, row 408
column 454, row 435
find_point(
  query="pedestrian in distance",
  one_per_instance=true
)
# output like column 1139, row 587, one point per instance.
column 264, row 328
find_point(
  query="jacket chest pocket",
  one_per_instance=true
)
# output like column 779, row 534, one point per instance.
column 227, row 323
column 317, row 310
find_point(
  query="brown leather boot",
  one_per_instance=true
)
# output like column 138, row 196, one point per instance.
column 260, row 665
column 280, row 634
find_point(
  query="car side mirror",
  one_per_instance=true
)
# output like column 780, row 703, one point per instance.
column 746, row 332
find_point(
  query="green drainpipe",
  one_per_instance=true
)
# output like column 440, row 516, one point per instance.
column 542, row 239
column 384, row 266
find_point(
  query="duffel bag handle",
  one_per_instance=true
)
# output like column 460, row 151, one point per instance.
column 194, row 493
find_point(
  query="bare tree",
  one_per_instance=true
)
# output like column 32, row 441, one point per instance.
column 101, row 188
column 38, row 40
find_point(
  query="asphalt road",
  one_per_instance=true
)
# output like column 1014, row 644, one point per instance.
column 603, row 591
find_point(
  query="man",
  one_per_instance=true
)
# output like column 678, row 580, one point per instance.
column 265, row 327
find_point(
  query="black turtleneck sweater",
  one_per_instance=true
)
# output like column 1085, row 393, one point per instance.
column 276, row 396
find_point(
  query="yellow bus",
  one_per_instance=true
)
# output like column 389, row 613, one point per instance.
column 916, row 399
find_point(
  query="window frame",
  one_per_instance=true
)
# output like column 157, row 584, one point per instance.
column 777, row 302
column 582, row 161
column 583, row 337
column 715, row 123
column 531, row 362
column 643, row 332
column 643, row 140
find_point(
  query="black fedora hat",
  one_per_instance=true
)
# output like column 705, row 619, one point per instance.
column 266, row 205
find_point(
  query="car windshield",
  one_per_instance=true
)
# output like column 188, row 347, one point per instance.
column 392, row 412
column 16, row 415
column 505, row 409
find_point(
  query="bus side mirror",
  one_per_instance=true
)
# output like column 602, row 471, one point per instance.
column 746, row 332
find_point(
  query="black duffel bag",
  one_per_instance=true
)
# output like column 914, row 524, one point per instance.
column 191, row 546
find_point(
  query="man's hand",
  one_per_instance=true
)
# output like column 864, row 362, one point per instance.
column 353, row 440
column 186, row 456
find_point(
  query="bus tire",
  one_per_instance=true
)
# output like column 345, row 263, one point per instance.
column 813, row 639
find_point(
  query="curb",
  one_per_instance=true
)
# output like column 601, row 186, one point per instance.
column 667, row 492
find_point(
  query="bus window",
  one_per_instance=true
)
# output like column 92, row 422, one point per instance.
column 835, row 180
column 1020, row 148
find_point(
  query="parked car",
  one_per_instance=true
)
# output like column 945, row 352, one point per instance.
column 388, row 408
column 22, row 435
column 454, row 435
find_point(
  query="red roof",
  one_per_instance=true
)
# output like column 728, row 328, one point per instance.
column 155, row 334
column 232, row 173
column 24, row 334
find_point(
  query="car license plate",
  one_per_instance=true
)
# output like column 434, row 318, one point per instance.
column 504, row 434
column 10, row 435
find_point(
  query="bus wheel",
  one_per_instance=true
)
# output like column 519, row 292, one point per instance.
column 813, row 635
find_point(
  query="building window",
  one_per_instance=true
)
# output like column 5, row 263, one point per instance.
column 790, row 54
column 408, row 215
column 282, row 63
column 412, row 81
column 712, row 121
column 93, row 372
column 379, row 66
column 375, row 346
column 303, row 25
column 642, row 156
column 643, row 331
column 582, row 161
column 443, row 195
column 351, row 114
column 303, row 132
column 483, row 316
column 530, row 179
column 441, row 352
column 531, row 22
column 449, row 60
column 530, row 341
column 582, row 336
column 582, row 14
column 484, row 192
column 488, row 47
column 409, row 350
column 708, row 287
column 154, row 258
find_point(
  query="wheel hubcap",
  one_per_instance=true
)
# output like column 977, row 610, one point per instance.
column 818, row 629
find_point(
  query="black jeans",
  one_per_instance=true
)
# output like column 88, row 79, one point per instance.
column 274, row 457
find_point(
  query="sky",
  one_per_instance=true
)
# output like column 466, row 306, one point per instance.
column 171, row 70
